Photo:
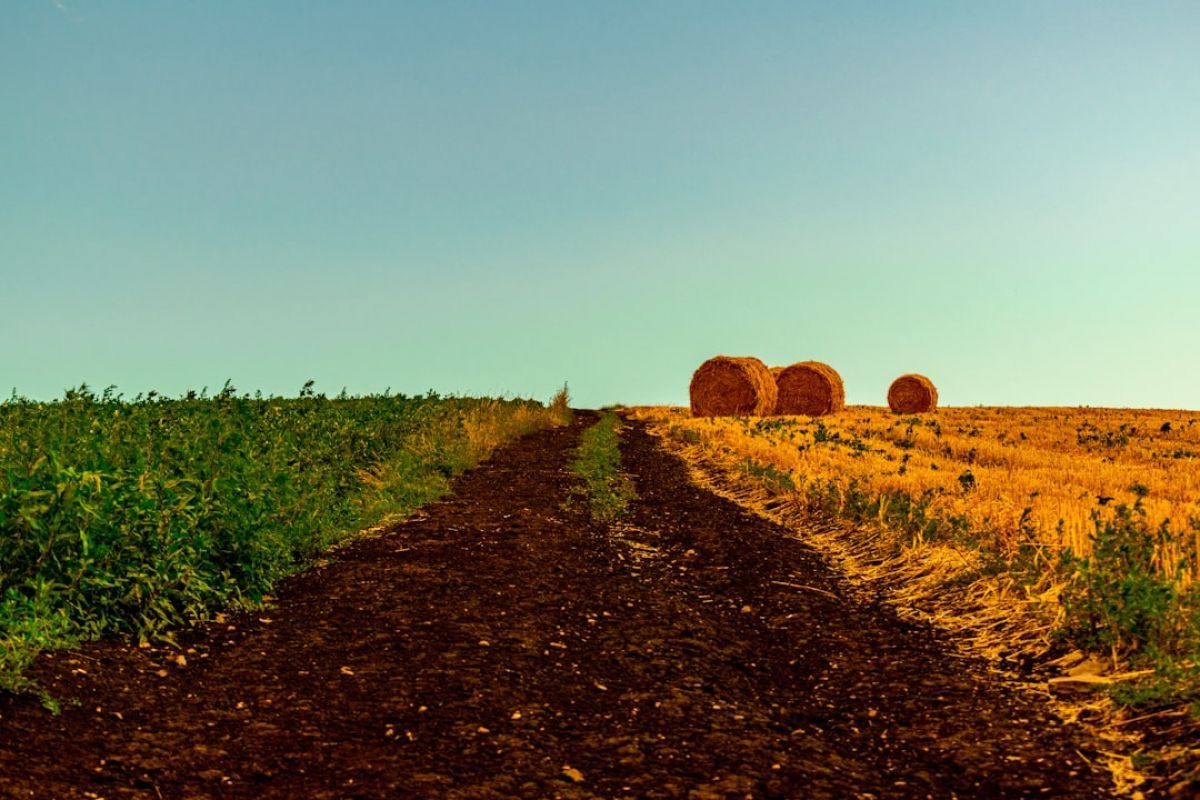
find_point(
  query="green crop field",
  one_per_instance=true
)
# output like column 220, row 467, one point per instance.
column 136, row 516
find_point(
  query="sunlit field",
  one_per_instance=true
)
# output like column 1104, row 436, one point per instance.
column 1029, row 529
column 1043, row 476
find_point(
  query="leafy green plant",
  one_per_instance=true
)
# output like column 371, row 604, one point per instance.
column 775, row 479
column 1118, row 598
column 598, row 463
column 135, row 517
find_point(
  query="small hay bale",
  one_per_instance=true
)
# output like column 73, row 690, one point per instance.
column 810, row 389
column 729, row 386
column 912, row 394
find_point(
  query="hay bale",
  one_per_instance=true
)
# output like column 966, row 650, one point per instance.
column 727, row 386
column 809, row 388
column 912, row 394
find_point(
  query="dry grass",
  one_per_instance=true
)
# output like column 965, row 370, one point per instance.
column 1021, row 474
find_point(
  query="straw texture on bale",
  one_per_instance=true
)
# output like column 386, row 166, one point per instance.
column 809, row 388
column 912, row 394
column 728, row 386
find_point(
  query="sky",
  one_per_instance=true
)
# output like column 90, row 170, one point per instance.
column 497, row 197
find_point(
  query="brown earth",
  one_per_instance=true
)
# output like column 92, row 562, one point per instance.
column 502, row 645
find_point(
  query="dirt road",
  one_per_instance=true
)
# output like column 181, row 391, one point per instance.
column 502, row 645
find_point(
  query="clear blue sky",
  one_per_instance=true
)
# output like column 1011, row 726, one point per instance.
column 500, row 196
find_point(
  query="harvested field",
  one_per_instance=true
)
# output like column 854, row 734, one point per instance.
column 1046, row 470
column 1024, row 530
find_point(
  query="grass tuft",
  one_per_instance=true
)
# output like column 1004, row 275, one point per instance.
column 559, row 407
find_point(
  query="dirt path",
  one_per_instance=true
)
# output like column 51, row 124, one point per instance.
column 503, row 646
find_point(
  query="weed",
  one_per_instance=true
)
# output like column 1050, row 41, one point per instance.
column 1118, row 598
column 772, row 478
column 560, row 408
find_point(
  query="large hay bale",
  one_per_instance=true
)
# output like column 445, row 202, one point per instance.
column 728, row 386
column 912, row 394
column 809, row 388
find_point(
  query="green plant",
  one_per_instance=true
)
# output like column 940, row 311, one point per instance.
column 1118, row 598
column 135, row 517
column 774, row 479
column 598, row 463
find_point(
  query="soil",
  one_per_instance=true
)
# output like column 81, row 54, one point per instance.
column 501, row 645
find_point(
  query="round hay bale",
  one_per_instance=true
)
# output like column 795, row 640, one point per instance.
column 728, row 386
column 912, row 394
column 809, row 388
